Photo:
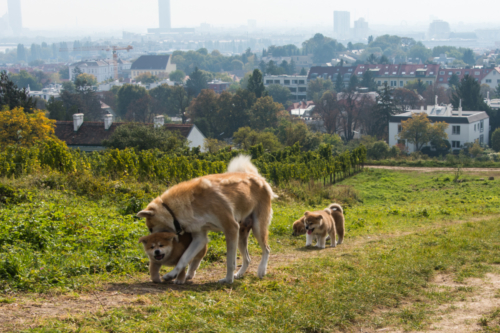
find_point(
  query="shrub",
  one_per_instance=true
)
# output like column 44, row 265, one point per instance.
column 378, row 151
column 495, row 140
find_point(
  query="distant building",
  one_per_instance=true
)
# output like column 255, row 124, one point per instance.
column 15, row 16
column 446, row 73
column 443, row 59
column 492, row 79
column 153, row 64
column 164, row 14
column 341, row 24
column 299, row 60
column 53, row 90
column 439, row 30
column 399, row 75
column 296, row 83
column 464, row 126
column 331, row 73
column 218, row 86
column 360, row 30
column 102, row 69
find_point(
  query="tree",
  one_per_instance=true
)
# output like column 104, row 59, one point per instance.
column 146, row 78
column 469, row 58
column 433, row 90
column 177, row 76
column 329, row 110
column 419, row 131
column 405, row 99
column 256, row 84
column 212, row 146
column 420, row 51
column 84, row 81
column 264, row 113
column 372, row 59
column 197, row 82
column 454, row 81
column 13, row 97
column 180, row 99
column 247, row 137
column 279, row 93
column 317, row 87
column 368, row 81
column 495, row 140
column 384, row 60
column 144, row 137
column 303, row 71
column 354, row 107
column 204, row 112
column 56, row 109
column 21, row 53
column 353, row 82
column 25, row 80
column 128, row 94
column 469, row 92
column 416, row 85
column 384, row 109
column 160, row 100
column 497, row 91
column 25, row 129
column 339, row 83
column 370, row 39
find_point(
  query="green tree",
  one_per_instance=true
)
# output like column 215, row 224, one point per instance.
column 128, row 94
column 247, row 137
column 419, row 131
column 469, row 58
column 144, row 137
column 12, row 97
column 497, row 91
column 177, row 76
column 279, row 93
column 339, row 83
column 146, row 78
column 197, row 82
column 204, row 111
column 303, row 71
column 420, row 51
column 21, row 53
column 454, row 81
column 368, row 81
column 56, row 110
column 256, row 84
column 495, row 140
column 383, row 110
column 317, row 87
column 469, row 91
column 160, row 100
column 264, row 113
column 64, row 73
column 416, row 85
column 25, row 80
column 84, row 80
column 353, row 82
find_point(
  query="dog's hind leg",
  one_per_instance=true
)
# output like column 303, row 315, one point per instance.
column 243, row 247
column 200, row 239
column 262, row 219
column 231, row 230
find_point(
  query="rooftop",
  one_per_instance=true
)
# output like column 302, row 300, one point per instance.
column 158, row 62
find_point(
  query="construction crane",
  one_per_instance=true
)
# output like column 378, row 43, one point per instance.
column 102, row 48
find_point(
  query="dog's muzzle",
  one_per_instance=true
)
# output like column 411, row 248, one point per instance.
column 158, row 255
column 309, row 231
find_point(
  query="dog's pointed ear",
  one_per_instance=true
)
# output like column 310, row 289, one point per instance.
column 146, row 213
column 142, row 240
column 306, row 213
column 176, row 237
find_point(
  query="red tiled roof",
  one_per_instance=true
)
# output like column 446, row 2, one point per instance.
column 92, row 133
column 477, row 73
column 400, row 70
column 300, row 105
column 331, row 72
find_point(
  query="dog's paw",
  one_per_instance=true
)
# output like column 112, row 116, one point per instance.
column 158, row 280
column 226, row 281
column 238, row 275
column 190, row 276
column 169, row 276
column 179, row 281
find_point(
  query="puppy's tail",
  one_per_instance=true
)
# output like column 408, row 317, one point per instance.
column 243, row 163
column 336, row 206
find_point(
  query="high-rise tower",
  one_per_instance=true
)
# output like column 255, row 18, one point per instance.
column 164, row 10
column 15, row 17
column 341, row 24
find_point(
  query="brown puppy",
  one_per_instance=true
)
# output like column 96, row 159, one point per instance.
column 338, row 217
column 299, row 228
column 319, row 225
column 166, row 249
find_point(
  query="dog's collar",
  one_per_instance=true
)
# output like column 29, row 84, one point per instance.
column 177, row 225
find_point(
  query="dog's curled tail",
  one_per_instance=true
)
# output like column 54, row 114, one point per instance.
column 242, row 163
column 336, row 206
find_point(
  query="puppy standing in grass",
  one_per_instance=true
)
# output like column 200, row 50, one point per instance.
column 217, row 203
column 166, row 249
column 322, row 224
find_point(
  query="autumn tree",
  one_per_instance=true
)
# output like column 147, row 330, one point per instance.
column 146, row 78
column 328, row 109
column 264, row 113
column 317, row 87
column 419, row 131
column 25, row 129
column 405, row 99
column 247, row 137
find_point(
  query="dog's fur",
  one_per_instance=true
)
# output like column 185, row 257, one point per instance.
column 299, row 228
column 338, row 216
column 216, row 203
column 166, row 249
column 319, row 225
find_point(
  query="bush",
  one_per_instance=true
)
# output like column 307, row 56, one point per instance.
column 379, row 150
column 495, row 140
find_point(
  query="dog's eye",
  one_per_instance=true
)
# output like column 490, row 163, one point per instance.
column 161, row 245
column 150, row 230
column 152, row 247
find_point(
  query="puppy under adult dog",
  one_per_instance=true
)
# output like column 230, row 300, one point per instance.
column 217, row 203
column 166, row 249
column 319, row 225
column 338, row 216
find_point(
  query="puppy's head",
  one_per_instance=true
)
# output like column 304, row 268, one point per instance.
column 299, row 228
column 158, row 246
column 312, row 221
column 157, row 217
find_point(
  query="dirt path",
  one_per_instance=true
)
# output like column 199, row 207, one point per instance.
column 28, row 310
column 429, row 169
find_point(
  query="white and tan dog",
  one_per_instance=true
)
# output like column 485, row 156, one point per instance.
column 324, row 224
column 217, row 203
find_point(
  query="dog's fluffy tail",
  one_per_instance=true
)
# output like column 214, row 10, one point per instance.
column 243, row 163
column 336, row 206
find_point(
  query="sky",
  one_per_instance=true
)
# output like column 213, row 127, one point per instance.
column 141, row 14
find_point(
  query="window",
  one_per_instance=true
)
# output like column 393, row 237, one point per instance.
column 361, row 66
column 412, row 73
column 394, row 83
column 441, row 73
column 295, row 81
column 399, row 128
column 403, row 73
column 287, row 82
column 302, row 89
column 401, row 83
column 431, row 73
column 481, row 139
column 481, row 126
column 450, row 73
column 360, row 73
column 440, row 79
column 277, row 81
column 455, row 144
column 386, row 73
column 393, row 73
column 379, row 83
column 457, row 72
column 488, row 81
column 293, row 89
column 301, row 82
column 269, row 81
column 455, row 130
column 466, row 73
column 477, row 73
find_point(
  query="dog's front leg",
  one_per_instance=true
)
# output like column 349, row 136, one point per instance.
column 200, row 239
column 309, row 239
column 154, row 271
column 231, row 234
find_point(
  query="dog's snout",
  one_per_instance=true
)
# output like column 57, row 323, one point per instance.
column 157, row 252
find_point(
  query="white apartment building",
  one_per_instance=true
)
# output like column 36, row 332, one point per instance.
column 492, row 79
column 296, row 83
column 464, row 126
column 53, row 90
column 101, row 69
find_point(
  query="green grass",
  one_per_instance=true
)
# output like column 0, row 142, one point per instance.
column 63, row 235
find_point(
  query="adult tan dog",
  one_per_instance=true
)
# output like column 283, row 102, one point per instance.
column 166, row 249
column 216, row 203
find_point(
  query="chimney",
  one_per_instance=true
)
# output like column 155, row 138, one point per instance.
column 421, row 107
column 460, row 108
column 436, row 103
column 77, row 121
column 108, row 121
column 159, row 121
column 488, row 96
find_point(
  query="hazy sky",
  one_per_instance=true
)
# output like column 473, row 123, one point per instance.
column 119, row 14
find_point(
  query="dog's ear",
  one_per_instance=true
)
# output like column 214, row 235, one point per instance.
column 146, row 213
column 328, row 210
column 176, row 238
column 306, row 213
column 142, row 240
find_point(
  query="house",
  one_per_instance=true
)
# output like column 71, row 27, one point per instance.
column 296, row 83
column 89, row 136
column 492, row 79
column 399, row 75
column 218, row 86
column 443, row 59
column 331, row 73
column 53, row 90
column 300, row 105
column 153, row 64
column 446, row 73
column 102, row 69
column 464, row 126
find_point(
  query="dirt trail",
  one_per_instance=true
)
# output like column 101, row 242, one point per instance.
column 29, row 309
column 429, row 169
